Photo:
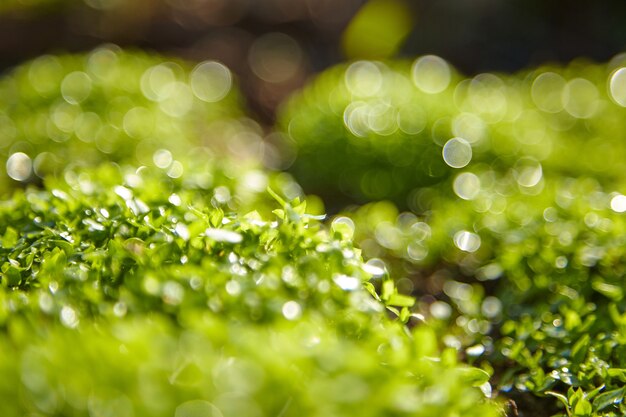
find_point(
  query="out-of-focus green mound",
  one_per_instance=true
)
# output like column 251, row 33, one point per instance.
column 133, row 107
column 373, row 130
column 531, row 284
column 514, row 244
column 132, row 293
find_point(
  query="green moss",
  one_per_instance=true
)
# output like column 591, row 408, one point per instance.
column 79, row 110
column 370, row 130
column 140, row 294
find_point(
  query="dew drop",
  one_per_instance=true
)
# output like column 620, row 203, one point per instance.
column 221, row 235
column 346, row 282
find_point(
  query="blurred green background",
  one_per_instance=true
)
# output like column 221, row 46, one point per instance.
column 275, row 45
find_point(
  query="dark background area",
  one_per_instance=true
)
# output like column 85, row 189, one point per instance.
column 474, row 35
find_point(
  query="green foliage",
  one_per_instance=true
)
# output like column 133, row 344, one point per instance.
column 60, row 111
column 132, row 293
column 532, row 284
column 372, row 130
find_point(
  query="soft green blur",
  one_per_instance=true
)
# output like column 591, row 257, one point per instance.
column 77, row 110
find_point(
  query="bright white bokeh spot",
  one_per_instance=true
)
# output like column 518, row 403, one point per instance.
column 346, row 282
column 221, row 235
column 617, row 86
column 69, row 318
column 491, row 307
column 466, row 185
column 197, row 408
column 355, row 117
column 211, row 81
column 457, row 153
column 580, row 98
column 467, row 241
column 618, row 203
column 123, row 192
column 547, row 90
column 440, row 310
column 527, row 172
column 431, row 74
column 19, row 166
column 364, row 79
column 475, row 350
column 375, row 267
column 292, row 310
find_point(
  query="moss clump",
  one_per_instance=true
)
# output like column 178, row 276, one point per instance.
column 140, row 294
column 122, row 106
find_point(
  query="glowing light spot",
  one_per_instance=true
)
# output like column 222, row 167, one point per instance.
column 467, row 241
column 431, row 74
column 364, row 79
column 580, row 98
column 617, row 86
column 618, row 203
column 292, row 310
column 19, row 166
column 162, row 158
column 69, row 318
column 561, row 262
column 176, row 170
column 547, row 90
column 120, row 309
column 491, row 307
column 475, row 350
column 375, row 267
column 182, row 231
column 173, row 293
column 197, row 408
column 157, row 82
column 211, row 81
column 355, row 117
column 344, row 226
column 221, row 235
column 527, row 172
column 346, row 282
column 233, row 288
column 76, row 87
column 466, row 186
column 175, row 199
column 440, row 310
column 123, row 192
column 179, row 101
column 470, row 127
column 457, row 153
